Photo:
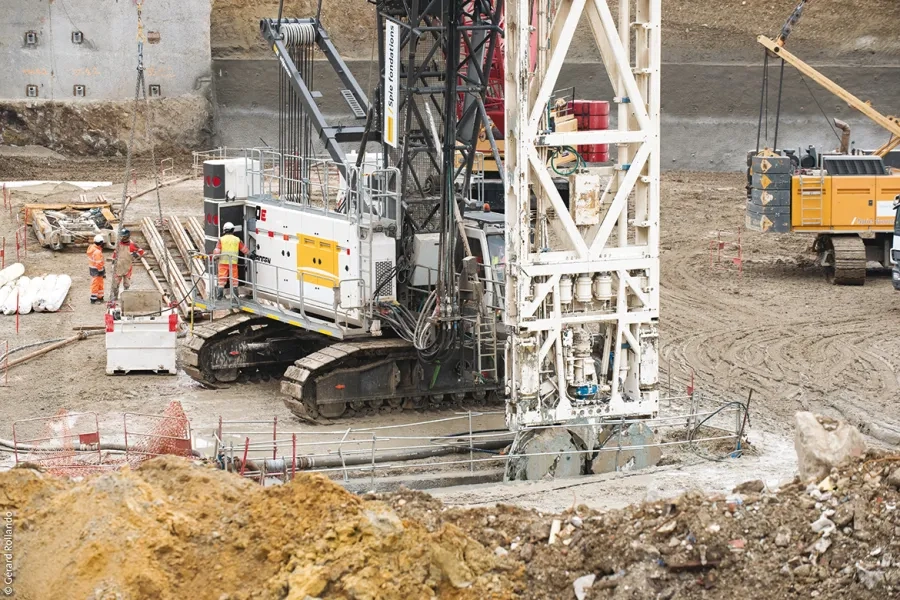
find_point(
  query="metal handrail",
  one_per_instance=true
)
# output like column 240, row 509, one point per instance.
column 338, row 313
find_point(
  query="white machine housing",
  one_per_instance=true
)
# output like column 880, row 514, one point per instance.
column 316, row 262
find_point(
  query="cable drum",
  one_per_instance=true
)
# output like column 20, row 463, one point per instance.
column 298, row 34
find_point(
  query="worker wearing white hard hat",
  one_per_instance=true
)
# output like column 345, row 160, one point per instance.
column 228, row 249
column 96, row 268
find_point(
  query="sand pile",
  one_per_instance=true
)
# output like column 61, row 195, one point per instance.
column 175, row 530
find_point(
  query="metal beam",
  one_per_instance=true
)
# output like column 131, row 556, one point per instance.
column 340, row 67
column 547, row 263
column 892, row 124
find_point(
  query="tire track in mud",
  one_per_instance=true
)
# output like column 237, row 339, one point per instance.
column 780, row 330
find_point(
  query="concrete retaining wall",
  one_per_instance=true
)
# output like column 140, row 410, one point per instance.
column 105, row 61
column 710, row 111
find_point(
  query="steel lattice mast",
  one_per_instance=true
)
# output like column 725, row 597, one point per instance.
column 611, row 242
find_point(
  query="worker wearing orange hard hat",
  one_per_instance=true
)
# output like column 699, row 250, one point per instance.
column 228, row 249
column 125, row 262
column 96, row 268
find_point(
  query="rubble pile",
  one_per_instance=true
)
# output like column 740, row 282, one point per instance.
column 172, row 529
column 834, row 537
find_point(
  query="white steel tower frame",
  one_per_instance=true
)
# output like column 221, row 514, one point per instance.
column 611, row 244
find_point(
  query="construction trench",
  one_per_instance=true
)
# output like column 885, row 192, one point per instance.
column 224, row 488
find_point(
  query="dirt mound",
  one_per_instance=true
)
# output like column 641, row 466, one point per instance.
column 234, row 28
column 835, row 539
column 171, row 529
column 103, row 128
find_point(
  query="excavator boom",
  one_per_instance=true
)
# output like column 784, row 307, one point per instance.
column 891, row 124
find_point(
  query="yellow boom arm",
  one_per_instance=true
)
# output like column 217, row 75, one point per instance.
column 891, row 124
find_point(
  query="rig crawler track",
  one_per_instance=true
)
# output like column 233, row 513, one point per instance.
column 201, row 336
column 324, row 378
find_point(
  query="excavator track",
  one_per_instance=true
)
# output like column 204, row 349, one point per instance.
column 849, row 260
column 367, row 375
column 224, row 350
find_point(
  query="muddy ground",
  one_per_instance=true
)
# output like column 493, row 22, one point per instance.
column 778, row 329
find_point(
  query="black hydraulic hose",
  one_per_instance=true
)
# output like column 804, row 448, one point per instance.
column 762, row 98
column 778, row 107
column 335, row 460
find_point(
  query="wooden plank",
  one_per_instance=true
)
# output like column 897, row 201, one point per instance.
column 196, row 266
column 196, row 231
column 168, row 266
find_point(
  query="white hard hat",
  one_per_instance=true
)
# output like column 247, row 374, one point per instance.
column 229, row 226
column 98, row 239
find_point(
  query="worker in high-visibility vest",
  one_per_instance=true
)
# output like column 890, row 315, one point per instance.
column 228, row 249
column 125, row 262
column 96, row 268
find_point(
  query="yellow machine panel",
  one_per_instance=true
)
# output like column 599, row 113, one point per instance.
column 317, row 260
column 853, row 201
column 887, row 188
column 843, row 203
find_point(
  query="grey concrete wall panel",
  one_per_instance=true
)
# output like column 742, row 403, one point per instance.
column 770, row 197
column 771, row 181
column 771, row 164
column 106, row 60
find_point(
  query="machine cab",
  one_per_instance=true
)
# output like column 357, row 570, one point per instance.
column 487, row 240
column 895, row 246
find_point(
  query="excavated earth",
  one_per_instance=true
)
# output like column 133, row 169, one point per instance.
column 714, row 30
column 172, row 529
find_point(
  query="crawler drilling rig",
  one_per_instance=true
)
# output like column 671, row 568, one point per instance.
column 370, row 284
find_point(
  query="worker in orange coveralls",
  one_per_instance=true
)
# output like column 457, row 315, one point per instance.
column 97, row 268
column 228, row 248
column 125, row 264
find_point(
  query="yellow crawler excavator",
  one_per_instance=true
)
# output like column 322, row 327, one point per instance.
column 845, row 199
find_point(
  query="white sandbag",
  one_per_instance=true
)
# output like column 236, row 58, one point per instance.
column 44, row 293
column 10, row 305
column 26, row 300
column 63, row 283
column 4, row 292
column 11, row 273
